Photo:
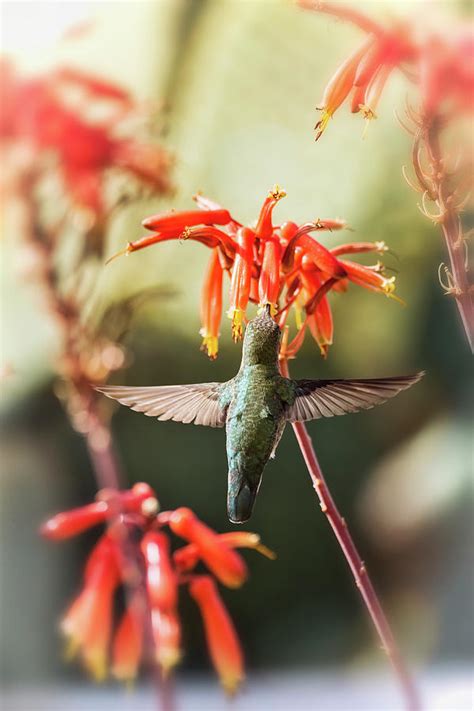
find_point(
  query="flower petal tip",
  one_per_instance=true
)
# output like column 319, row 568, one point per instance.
column 125, row 251
column 210, row 346
column 322, row 124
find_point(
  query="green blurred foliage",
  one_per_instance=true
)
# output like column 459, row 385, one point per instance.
column 239, row 82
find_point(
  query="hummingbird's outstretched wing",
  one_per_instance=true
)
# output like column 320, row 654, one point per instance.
column 199, row 403
column 325, row 398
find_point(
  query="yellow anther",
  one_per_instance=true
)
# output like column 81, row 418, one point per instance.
column 210, row 344
column 277, row 193
column 323, row 122
column 125, row 251
column 263, row 305
column 185, row 234
column 96, row 664
column 236, row 315
column 381, row 247
column 167, row 660
column 367, row 112
column 71, row 649
column 388, row 287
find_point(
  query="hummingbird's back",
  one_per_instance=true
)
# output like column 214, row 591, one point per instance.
column 255, row 417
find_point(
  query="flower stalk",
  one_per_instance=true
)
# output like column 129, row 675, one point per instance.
column 437, row 62
column 356, row 564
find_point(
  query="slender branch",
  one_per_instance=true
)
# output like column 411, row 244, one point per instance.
column 103, row 455
column 451, row 228
column 354, row 560
column 165, row 692
column 94, row 424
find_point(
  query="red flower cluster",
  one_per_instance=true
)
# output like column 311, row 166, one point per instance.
column 440, row 62
column 283, row 266
column 135, row 552
column 76, row 119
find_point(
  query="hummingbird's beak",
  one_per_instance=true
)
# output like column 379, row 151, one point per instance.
column 240, row 501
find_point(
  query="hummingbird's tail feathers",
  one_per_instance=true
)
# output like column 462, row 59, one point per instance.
column 198, row 403
column 326, row 398
column 240, row 498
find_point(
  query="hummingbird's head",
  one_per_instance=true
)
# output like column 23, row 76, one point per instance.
column 262, row 340
column 241, row 495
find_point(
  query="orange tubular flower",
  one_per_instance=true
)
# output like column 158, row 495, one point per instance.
column 264, row 228
column 269, row 283
column 339, row 87
column 87, row 624
column 65, row 525
column 321, row 325
column 222, row 641
column 228, row 567
column 435, row 62
column 211, row 306
column 178, row 221
column 371, row 278
column 241, row 278
column 151, row 575
column 162, row 583
column 266, row 265
column 187, row 558
column 166, row 631
column 436, row 56
column 128, row 642
column 71, row 523
column 322, row 257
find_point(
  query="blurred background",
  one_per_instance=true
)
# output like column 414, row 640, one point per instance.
column 236, row 83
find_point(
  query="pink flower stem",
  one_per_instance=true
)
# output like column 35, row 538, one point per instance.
column 165, row 692
column 97, row 433
column 103, row 456
column 356, row 564
column 451, row 228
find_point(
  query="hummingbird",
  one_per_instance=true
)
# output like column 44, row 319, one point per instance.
column 255, row 406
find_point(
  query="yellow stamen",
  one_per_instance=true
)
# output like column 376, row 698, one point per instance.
column 323, row 349
column 96, row 663
column 273, row 308
column 185, row 234
column 381, row 247
column 168, row 659
column 322, row 123
column 126, row 674
column 388, row 287
column 368, row 115
column 72, row 647
column 267, row 552
column 236, row 315
column 277, row 193
column 210, row 344
column 126, row 250
column 230, row 684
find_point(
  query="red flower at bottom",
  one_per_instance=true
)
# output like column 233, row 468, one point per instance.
column 135, row 552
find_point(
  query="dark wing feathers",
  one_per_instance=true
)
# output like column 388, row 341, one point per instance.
column 198, row 403
column 325, row 398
